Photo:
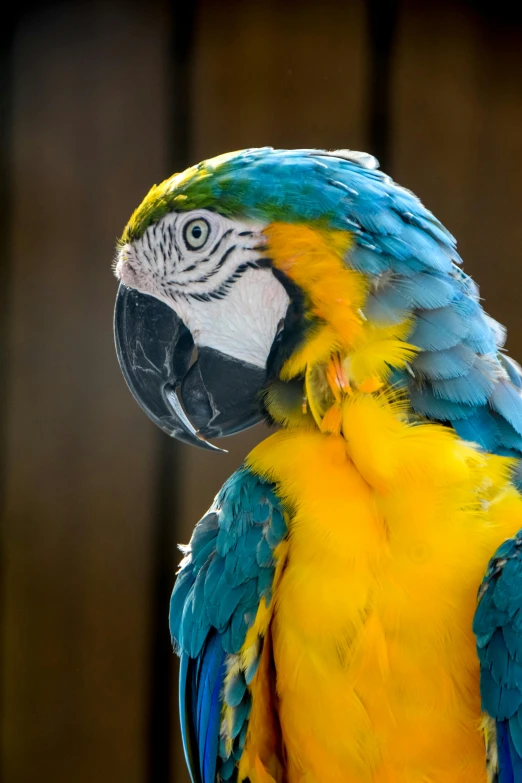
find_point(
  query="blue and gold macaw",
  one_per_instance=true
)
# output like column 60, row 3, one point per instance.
column 326, row 608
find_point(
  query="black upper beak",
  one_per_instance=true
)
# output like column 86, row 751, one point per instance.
column 191, row 396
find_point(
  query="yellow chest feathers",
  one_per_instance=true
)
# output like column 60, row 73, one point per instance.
column 377, row 674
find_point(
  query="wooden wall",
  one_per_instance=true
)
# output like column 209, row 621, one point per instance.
column 91, row 128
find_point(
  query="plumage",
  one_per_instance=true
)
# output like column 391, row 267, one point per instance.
column 499, row 641
column 446, row 364
column 245, row 512
column 326, row 604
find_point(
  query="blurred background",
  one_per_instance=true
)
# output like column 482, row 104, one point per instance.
column 98, row 101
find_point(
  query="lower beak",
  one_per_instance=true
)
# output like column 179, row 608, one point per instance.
column 190, row 394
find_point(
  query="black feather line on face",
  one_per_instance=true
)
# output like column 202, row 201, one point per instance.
column 218, row 243
column 225, row 286
column 207, row 274
column 294, row 330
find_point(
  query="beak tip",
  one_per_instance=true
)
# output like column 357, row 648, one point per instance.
column 206, row 444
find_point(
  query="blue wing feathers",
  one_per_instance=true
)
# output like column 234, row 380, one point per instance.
column 439, row 329
column 365, row 260
column 210, row 722
column 444, row 365
column 513, row 370
column 507, row 401
column 479, row 427
column 425, row 402
column 186, row 721
column 425, row 290
column 505, row 766
column 515, row 732
column 481, row 337
column 228, row 567
column 497, row 626
column 264, row 555
column 474, row 388
column 201, row 681
column 516, row 759
column 235, row 690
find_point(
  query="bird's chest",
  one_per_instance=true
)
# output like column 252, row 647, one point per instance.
column 377, row 674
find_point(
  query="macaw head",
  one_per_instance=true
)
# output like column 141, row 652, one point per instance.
column 247, row 280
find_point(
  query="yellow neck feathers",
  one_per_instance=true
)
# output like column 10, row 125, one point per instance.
column 343, row 353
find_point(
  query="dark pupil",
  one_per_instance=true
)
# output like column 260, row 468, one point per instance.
column 196, row 232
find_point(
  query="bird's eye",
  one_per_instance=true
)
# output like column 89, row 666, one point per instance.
column 196, row 233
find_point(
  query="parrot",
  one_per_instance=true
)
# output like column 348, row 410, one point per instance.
column 349, row 610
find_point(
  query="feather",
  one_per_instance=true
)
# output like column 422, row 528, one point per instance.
column 186, row 720
column 423, row 401
column 240, row 715
column 436, row 330
column 506, row 400
column 264, row 554
column 516, row 760
column 264, row 583
column 204, row 533
column 211, row 737
column 479, row 427
column 497, row 625
column 196, row 621
column 504, row 754
column 235, row 688
column 251, row 670
column 480, row 337
column 474, row 388
column 412, row 244
column 515, row 731
column 182, row 588
column 513, row 369
column 425, row 290
column 386, row 306
column 430, row 225
column 240, row 561
column 368, row 261
column 439, row 365
column 227, row 769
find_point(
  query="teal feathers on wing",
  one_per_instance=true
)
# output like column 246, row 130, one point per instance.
column 498, row 628
column 227, row 570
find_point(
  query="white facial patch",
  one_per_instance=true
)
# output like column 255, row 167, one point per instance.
column 206, row 267
column 244, row 323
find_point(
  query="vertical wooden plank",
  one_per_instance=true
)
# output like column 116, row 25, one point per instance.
column 458, row 114
column 289, row 74
column 88, row 142
column 6, row 136
column 382, row 21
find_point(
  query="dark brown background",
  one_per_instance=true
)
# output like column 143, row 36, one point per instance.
column 99, row 100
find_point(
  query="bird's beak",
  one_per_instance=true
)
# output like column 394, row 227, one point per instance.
column 191, row 395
